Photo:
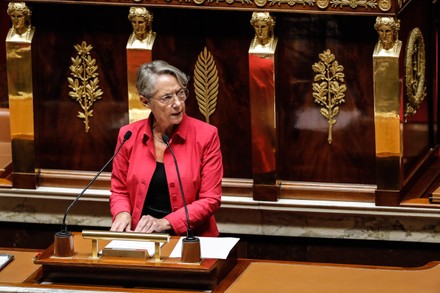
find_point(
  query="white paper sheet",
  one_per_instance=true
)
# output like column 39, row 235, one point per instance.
column 132, row 245
column 5, row 259
column 210, row 247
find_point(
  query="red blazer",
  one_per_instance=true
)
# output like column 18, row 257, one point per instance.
column 196, row 146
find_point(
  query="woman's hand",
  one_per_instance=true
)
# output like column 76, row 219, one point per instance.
column 149, row 224
column 122, row 223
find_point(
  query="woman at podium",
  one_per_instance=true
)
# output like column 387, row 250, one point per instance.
column 169, row 152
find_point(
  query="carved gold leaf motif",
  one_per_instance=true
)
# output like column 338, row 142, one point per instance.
column 84, row 83
column 354, row 3
column 329, row 90
column 206, row 83
column 293, row 2
column 383, row 5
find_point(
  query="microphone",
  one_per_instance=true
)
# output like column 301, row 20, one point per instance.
column 63, row 239
column 190, row 244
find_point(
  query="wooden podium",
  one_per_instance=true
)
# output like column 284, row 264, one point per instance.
column 262, row 276
column 81, row 268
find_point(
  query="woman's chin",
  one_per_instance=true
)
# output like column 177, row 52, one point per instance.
column 176, row 119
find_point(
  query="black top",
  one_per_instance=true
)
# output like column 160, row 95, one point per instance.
column 157, row 203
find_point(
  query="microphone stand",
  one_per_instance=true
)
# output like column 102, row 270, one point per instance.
column 190, row 244
column 63, row 245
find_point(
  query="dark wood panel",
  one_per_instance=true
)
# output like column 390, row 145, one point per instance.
column 67, row 146
column 304, row 152
column 61, row 140
column 227, row 37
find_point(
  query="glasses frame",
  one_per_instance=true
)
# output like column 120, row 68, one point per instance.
column 177, row 94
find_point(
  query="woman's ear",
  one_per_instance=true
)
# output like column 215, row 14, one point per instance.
column 144, row 101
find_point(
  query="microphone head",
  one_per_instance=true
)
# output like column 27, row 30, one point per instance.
column 165, row 138
column 127, row 135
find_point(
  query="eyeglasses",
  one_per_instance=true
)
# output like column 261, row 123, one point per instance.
column 181, row 95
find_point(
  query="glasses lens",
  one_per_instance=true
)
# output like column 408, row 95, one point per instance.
column 182, row 94
column 167, row 99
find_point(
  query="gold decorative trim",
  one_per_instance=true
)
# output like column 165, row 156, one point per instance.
column 385, row 5
column 230, row 2
column 206, row 83
column 260, row 3
column 84, row 84
column 354, row 3
column 329, row 89
column 292, row 2
column 415, row 64
column 323, row 4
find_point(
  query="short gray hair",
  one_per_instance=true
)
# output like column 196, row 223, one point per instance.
column 149, row 72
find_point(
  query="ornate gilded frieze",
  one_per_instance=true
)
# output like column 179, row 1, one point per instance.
column 85, row 82
column 262, row 3
column 320, row 5
column 415, row 64
column 329, row 88
column 206, row 83
column 366, row 7
column 354, row 3
column 384, row 5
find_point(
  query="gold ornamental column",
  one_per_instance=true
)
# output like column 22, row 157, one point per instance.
column 262, row 105
column 387, row 107
column 19, row 74
column 139, row 48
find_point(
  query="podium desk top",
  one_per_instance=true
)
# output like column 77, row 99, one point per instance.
column 22, row 268
column 285, row 276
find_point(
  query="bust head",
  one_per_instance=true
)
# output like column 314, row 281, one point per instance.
column 20, row 16
column 141, row 19
column 263, row 24
column 388, row 29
